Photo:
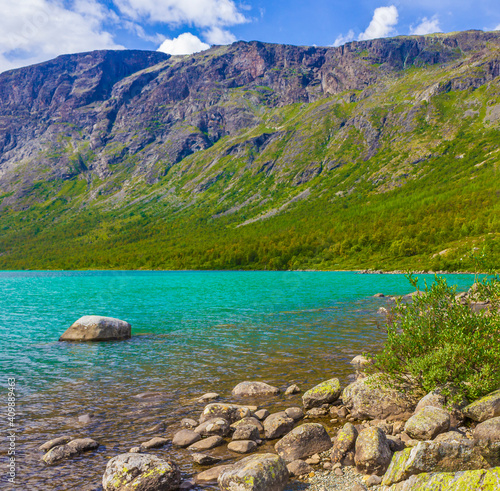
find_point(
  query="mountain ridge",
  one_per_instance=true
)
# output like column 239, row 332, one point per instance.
column 240, row 134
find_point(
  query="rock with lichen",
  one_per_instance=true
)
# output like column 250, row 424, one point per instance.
column 305, row 440
column 428, row 423
column 373, row 452
column 344, row 442
column 485, row 408
column 324, row 393
column 134, row 472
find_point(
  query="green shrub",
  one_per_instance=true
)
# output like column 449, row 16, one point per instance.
column 437, row 342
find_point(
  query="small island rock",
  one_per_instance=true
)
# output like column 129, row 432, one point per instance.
column 254, row 389
column 97, row 328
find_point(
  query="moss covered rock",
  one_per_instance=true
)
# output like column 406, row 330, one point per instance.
column 344, row 442
column 262, row 472
column 323, row 393
column 370, row 398
column 140, row 472
column 428, row 423
column 373, row 453
column 303, row 441
column 485, row 408
column 477, row 480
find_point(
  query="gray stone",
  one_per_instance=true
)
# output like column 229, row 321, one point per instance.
column 277, row 425
column 230, row 412
column 299, row 468
column 187, row 484
column 203, row 459
column 189, row 423
column 140, row 472
column 69, row 450
column 156, row 442
column 211, row 475
column 206, row 444
column 295, row 413
column 246, row 432
column 209, row 396
column 370, row 398
column 184, row 438
column 436, row 399
column 450, row 436
column 373, row 480
column 360, row 362
column 97, row 328
column 136, row 450
column 215, row 426
column 317, row 412
column 54, row 443
column 427, row 423
column 344, row 442
column 303, row 441
column 488, row 431
column 293, row 389
column 261, row 414
column 485, row 408
column 262, row 472
column 434, row 457
column 254, row 389
column 250, row 421
column 373, row 453
column 242, row 446
column 323, row 393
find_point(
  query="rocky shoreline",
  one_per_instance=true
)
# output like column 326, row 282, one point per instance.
column 382, row 440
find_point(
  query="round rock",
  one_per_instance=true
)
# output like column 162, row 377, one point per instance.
column 130, row 472
column 262, row 472
column 184, row 438
column 254, row 389
column 277, row 425
column 97, row 328
column 303, row 441
column 323, row 393
column 242, row 446
column 428, row 423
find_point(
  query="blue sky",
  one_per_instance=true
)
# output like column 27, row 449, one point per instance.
column 36, row 30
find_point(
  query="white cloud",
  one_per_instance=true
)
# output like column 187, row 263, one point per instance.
column 426, row 26
column 184, row 44
column 497, row 28
column 344, row 39
column 200, row 13
column 382, row 24
column 216, row 35
column 35, row 30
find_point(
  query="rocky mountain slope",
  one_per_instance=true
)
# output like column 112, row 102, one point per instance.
column 268, row 156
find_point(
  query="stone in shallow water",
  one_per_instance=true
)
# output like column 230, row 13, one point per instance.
column 71, row 449
column 54, row 443
column 246, row 432
column 293, row 389
column 204, row 459
column 207, row 443
column 184, row 438
column 242, row 446
column 209, row 396
column 254, row 389
column 156, row 442
column 211, row 475
column 295, row 413
column 277, row 425
column 229, row 412
column 215, row 426
column 129, row 472
column 189, row 423
column 97, row 328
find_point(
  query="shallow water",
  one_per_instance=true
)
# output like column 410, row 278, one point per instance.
column 193, row 332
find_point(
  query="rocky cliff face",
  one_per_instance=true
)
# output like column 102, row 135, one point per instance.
column 137, row 114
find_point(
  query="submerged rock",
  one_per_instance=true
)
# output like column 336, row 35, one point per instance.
column 203, row 459
column 97, row 328
column 156, row 442
column 135, row 472
column 184, row 438
column 293, row 389
column 303, row 441
column 206, row 444
column 262, row 472
column 242, row 446
column 323, row 393
column 54, row 443
column 254, row 389
column 68, row 450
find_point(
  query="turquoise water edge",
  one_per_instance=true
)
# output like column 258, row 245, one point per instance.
column 193, row 332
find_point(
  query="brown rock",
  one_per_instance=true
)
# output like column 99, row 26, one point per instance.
column 299, row 468
column 427, row 423
column 156, row 442
column 184, row 438
column 277, row 425
column 54, row 443
column 255, row 389
column 97, row 328
column 344, row 442
column 303, row 441
column 206, row 444
column 373, row 453
column 215, row 426
column 242, row 446
column 211, row 475
column 246, row 432
column 203, row 459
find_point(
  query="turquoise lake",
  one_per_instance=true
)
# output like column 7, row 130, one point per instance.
column 193, row 332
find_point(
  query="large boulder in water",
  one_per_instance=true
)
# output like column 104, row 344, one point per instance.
column 254, row 389
column 134, row 472
column 262, row 472
column 97, row 328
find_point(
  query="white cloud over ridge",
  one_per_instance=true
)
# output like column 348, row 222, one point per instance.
column 341, row 39
column 184, row 44
column 426, row 26
column 35, row 30
column 216, row 35
column 382, row 24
